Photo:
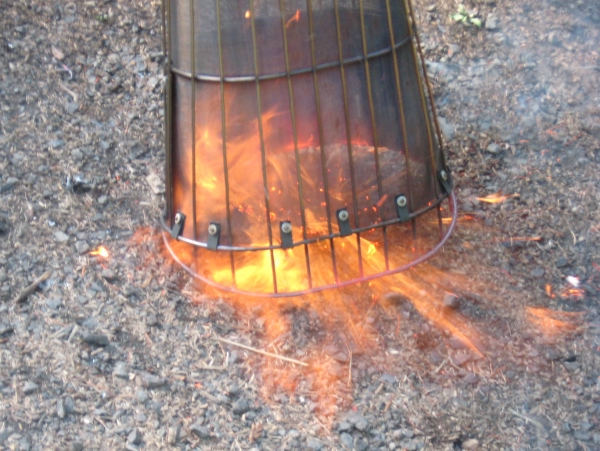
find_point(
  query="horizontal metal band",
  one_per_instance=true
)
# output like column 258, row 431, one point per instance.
column 310, row 240
column 305, row 70
column 416, row 261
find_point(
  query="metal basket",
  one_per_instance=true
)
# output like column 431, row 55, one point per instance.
column 301, row 139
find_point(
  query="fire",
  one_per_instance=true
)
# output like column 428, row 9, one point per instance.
column 100, row 251
column 553, row 324
column 247, row 15
column 295, row 18
column 496, row 198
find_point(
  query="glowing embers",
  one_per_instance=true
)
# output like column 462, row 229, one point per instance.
column 100, row 251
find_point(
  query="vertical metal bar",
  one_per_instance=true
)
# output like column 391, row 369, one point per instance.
column 295, row 133
column 373, row 121
column 262, row 143
column 411, row 31
column 168, row 105
column 348, row 133
column 398, row 84
column 224, row 140
column 193, row 81
column 313, row 57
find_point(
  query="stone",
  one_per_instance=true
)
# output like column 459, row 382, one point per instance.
column 90, row 323
column 102, row 200
column 537, row 272
column 152, row 381
column 69, row 404
column 450, row 301
column 77, row 154
column 471, row 378
column 471, row 443
column 347, row 440
column 30, row 387
column 240, row 407
column 493, row 148
column 108, row 274
column 61, row 412
column 82, row 247
column 313, row 443
column 141, row 395
column 582, row 435
column 71, row 107
column 491, row 23
column 562, row 262
column 155, row 183
column 96, row 339
column 199, row 430
column 134, row 437
column 120, row 370
column 448, row 129
column 77, row 446
column 10, row 182
column 360, row 444
column 61, row 237
column 53, row 303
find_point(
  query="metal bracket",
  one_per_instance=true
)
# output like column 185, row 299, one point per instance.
column 446, row 180
column 343, row 223
column 285, row 227
column 214, row 234
column 402, row 207
column 178, row 222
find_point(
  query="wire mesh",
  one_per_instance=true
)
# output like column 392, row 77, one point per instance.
column 299, row 137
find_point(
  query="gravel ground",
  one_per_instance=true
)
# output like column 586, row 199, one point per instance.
column 125, row 352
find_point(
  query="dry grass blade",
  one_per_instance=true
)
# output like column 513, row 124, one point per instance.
column 260, row 351
column 31, row 288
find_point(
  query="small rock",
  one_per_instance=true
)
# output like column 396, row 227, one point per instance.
column 360, row 444
column 10, row 182
column 72, row 107
column 240, row 407
column 152, row 381
column 151, row 320
column 155, row 183
column 447, row 129
column 69, row 404
column 493, row 148
column 491, row 23
column 471, row 378
column 537, row 272
column 173, row 434
column 108, row 274
column 102, row 200
column 77, row 446
column 30, row 387
column 199, row 430
column 77, row 154
column 344, row 426
column 456, row 343
column 562, row 262
column 346, row 440
column 120, row 370
column 134, row 437
column 53, row 303
column 61, row 412
column 450, row 301
column 472, row 443
column 461, row 358
column 90, row 323
column 314, row 444
column 96, row 339
column 56, row 143
column 359, row 422
column 141, row 395
column 82, row 247
column 61, row 237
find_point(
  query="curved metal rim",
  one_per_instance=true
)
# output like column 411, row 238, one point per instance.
column 308, row 240
column 418, row 260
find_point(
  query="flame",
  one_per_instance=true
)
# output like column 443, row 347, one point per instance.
column 100, row 251
column 294, row 18
column 553, row 324
column 247, row 15
column 496, row 198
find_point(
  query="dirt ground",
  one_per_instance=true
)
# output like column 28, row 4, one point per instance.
column 126, row 352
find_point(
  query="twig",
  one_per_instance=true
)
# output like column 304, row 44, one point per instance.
column 68, row 91
column 31, row 288
column 437, row 370
column 214, row 368
column 259, row 351
column 526, row 418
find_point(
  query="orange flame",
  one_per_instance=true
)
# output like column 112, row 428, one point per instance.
column 100, row 251
column 553, row 324
column 496, row 198
column 294, row 18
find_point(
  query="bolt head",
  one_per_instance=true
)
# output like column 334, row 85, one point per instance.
column 401, row 201
column 444, row 175
column 343, row 215
column 212, row 229
column 178, row 218
column 286, row 227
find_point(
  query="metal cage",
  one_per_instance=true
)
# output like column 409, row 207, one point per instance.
column 301, row 138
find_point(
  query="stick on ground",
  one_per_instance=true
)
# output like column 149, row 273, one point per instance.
column 259, row 351
column 31, row 288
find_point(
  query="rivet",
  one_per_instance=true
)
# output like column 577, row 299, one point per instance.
column 401, row 201
column 343, row 215
column 212, row 229
column 286, row 227
column 178, row 218
column 444, row 175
